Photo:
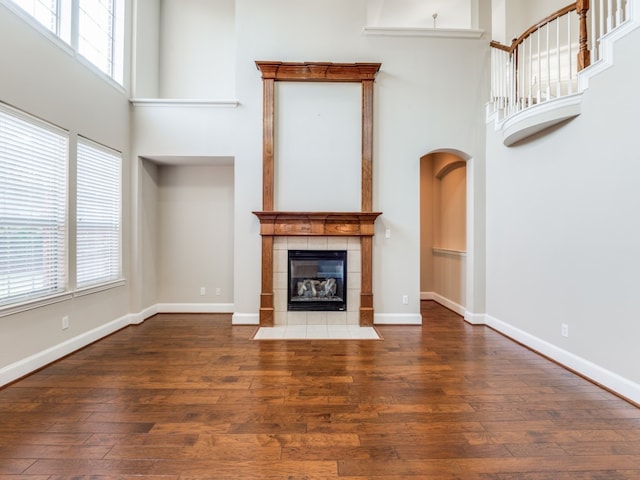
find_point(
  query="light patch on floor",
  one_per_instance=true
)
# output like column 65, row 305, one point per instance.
column 316, row 332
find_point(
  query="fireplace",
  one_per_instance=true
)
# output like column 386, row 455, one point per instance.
column 275, row 224
column 317, row 280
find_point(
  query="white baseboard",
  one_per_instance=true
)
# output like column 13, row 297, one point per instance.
column 194, row 307
column 445, row 302
column 245, row 319
column 32, row 363
column 600, row 375
column 397, row 319
column 475, row 318
column 138, row 318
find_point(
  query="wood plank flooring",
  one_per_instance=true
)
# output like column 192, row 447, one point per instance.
column 191, row 397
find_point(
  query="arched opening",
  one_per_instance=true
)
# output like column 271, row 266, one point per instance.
column 444, row 231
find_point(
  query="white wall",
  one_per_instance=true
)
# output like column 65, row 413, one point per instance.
column 318, row 146
column 419, row 13
column 45, row 80
column 146, row 51
column 562, row 230
column 197, row 49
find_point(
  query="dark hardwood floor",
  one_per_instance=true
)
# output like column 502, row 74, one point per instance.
column 191, row 397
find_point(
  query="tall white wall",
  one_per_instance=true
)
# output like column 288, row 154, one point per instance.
column 562, row 230
column 146, row 51
column 197, row 40
column 47, row 81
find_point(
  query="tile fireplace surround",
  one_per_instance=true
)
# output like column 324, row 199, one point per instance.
column 281, row 246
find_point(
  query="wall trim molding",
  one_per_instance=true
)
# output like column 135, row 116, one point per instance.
column 397, row 319
column 612, row 381
column 183, row 102
column 465, row 33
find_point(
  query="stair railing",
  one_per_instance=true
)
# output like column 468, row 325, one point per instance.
column 543, row 63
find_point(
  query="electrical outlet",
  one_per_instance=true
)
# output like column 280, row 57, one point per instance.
column 405, row 299
column 387, row 233
column 203, row 291
column 565, row 330
column 65, row 322
column 218, row 291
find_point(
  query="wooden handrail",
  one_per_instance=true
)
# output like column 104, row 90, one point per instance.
column 581, row 7
column 533, row 28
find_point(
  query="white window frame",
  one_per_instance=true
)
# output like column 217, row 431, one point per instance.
column 73, row 33
column 33, row 198
column 98, row 215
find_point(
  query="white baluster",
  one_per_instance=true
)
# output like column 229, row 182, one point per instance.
column 529, row 41
column 602, row 15
column 538, row 83
column 609, row 16
column 548, row 28
column 569, row 57
column 593, row 34
column 558, row 62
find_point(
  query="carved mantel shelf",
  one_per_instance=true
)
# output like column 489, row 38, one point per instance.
column 317, row 223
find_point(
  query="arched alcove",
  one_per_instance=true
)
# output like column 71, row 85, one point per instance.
column 444, row 231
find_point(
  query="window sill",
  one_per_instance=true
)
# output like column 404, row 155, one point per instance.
column 40, row 302
column 34, row 303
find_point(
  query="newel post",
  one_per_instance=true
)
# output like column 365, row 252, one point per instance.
column 584, row 57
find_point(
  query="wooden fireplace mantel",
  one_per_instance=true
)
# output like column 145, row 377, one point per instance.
column 274, row 223
column 355, row 224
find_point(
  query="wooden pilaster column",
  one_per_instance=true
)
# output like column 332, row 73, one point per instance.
column 584, row 57
column 266, row 297
column 366, row 287
column 268, row 140
column 367, row 145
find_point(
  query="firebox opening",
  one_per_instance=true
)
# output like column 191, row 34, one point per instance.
column 317, row 280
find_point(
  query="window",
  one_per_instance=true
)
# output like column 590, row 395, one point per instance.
column 44, row 11
column 33, row 166
column 93, row 28
column 100, row 34
column 98, row 214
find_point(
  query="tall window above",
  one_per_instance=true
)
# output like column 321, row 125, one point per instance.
column 98, row 214
column 33, row 186
column 100, row 32
column 44, row 11
column 93, row 28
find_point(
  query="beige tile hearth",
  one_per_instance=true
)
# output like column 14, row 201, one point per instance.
column 317, row 332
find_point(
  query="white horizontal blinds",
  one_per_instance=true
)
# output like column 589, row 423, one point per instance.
column 98, row 214
column 33, row 167
column 44, row 11
column 96, row 33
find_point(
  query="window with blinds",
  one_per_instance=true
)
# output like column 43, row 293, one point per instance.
column 33, row 193
column 93, row 28
column 98, row 214
column 44, row 11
